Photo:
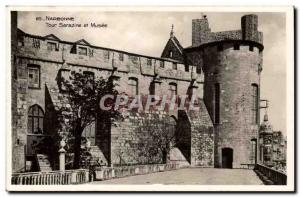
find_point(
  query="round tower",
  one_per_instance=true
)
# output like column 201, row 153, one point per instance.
column 231, row 93
column 232, row 62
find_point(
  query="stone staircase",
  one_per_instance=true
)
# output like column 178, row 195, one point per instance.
column 97, row 156
column 43, row 163
column 176, row 156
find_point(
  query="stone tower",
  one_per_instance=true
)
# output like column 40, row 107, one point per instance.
column 232, row 63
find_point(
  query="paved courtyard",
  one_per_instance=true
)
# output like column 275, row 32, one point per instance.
column 202, row 176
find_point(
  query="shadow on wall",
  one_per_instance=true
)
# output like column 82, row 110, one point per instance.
column 183, row 134
column 51, row 125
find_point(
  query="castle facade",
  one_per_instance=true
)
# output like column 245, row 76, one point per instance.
column 222, row 69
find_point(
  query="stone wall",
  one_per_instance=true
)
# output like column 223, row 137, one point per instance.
column 202, row 137
column 103, row 63
column 138, row 138
column 195, row 135
column 18, row 103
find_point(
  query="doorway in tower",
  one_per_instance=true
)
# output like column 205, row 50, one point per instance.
column 227, row 157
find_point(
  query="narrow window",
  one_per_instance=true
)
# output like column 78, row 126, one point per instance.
column 174, row 66
column 186, row 68
column 149, row 62
column 35, row 119
column 170, row 53
column 162, row 64
column 217, row 103
column 106, row 55
column 172, row 89
column 152, row 88
column 133, row 86
column 33, row 76
column 91, row 52
column 82, row 50
column 236, row 47
column 254, row 107
column 121, row 57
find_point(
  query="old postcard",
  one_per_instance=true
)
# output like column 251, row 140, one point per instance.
column 150, row 99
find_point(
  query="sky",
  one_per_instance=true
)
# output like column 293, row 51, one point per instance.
column 146, row 33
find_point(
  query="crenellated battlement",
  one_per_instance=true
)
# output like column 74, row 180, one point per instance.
column 81, row 53
column 201, row 33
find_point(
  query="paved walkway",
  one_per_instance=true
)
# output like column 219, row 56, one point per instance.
column 190, row 176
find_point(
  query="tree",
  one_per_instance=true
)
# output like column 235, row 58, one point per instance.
column 160, row 138
column 82, row 94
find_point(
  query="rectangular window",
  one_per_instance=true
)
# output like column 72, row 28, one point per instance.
column 174, row 66
column 186, row 68
column 91, row 52
column 33, row 76
column 121, row 57
column 254, row 108
column 51, row 46
column 106, row 55
column 172, row 89
column 82, row 50
column 152, row 88
column 133, row 86
column 162, row 64
column 217, row 103
column 36, row 43
column 236, row 47
column 149, row 62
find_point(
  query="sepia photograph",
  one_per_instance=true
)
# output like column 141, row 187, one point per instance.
column 150, row 99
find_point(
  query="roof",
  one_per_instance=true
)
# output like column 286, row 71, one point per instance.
column 52, row 37
column 83, row 42
column 177, row 43
column 98, row 47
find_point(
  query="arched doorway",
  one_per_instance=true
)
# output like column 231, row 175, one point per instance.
column 227, row 157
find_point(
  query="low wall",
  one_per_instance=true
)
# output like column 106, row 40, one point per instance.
column 51, row 178
column 270, row 176
column 118, row 172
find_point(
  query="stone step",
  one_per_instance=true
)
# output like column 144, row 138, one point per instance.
column 43, row 162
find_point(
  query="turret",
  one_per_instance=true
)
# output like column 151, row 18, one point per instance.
column 200, row 30
column 249, row 27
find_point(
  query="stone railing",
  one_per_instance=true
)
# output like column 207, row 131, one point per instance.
column 51, row 178
column 270, row 176
column 106, row 173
